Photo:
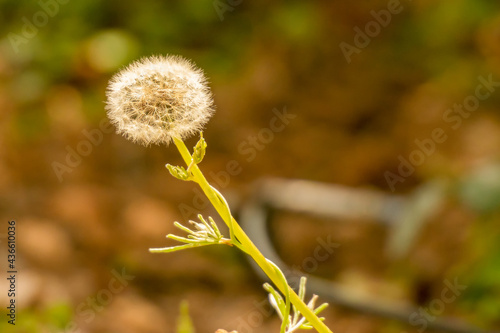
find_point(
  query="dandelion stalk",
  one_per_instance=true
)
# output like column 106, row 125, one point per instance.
column 247, row 245
column 159, row 100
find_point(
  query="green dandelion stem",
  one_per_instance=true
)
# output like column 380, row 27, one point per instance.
column 246, row 244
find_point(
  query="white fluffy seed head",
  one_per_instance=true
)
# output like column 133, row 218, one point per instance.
column 158, row 98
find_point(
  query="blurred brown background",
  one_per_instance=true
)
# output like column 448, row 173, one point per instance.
column 89, row 204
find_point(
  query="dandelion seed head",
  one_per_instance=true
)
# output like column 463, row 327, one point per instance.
column 158, row 98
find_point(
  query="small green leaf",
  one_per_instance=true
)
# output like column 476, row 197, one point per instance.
column 178, row 172
column 280, row 305
column 199, row 150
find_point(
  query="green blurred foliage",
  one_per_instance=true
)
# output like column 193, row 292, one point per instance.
column 481, row 189
column 482, row 296
column 184, row 321
column 52, row 318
